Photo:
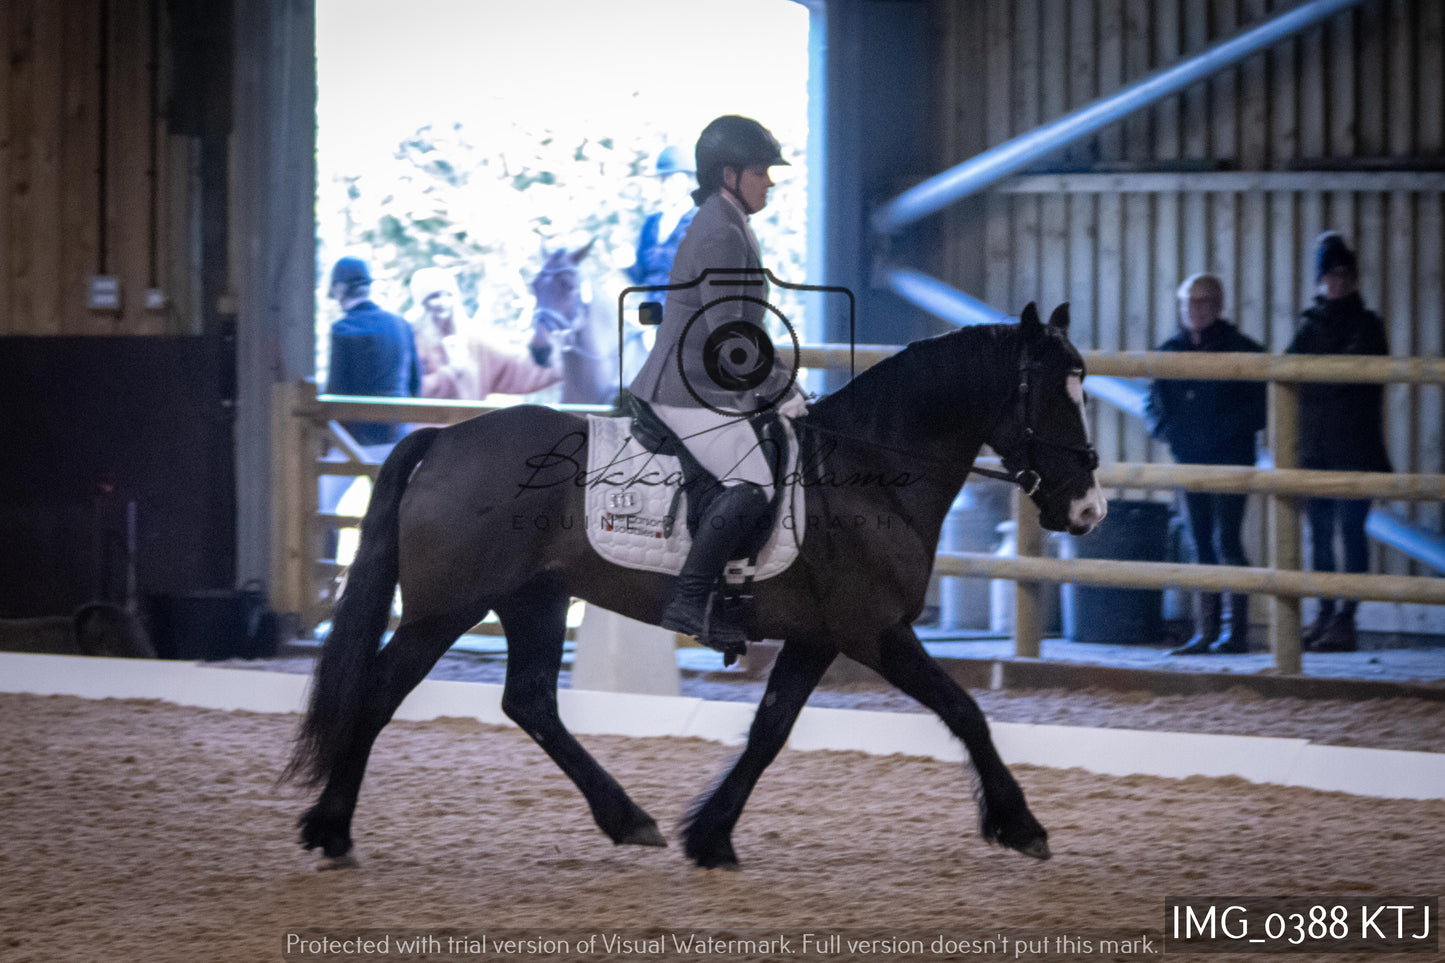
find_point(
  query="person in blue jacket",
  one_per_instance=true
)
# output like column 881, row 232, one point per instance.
column 373, row 352
column 1210, row 423
column 1341, row 428
column 663, row 230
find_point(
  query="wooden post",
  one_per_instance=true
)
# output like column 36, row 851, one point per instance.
column 285, row 541
column 1028, row 596
column 307, row 417
column 294, row 500
column 1284, row 530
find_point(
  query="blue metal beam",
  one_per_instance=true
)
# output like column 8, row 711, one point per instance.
column 1126, row 394
column 936, row 297
column 1416, row 542
column 976, row 173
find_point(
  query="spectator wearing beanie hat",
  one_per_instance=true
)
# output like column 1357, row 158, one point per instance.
column 1341, row 429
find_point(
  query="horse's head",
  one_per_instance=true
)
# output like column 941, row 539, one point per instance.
column 558, row 288
column 1042, row 435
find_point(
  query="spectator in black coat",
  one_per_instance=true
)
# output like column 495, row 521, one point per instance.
column 1210, row 423
column 1341, row 429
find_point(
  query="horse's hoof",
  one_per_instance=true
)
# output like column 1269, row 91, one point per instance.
column 714, row 857
column 346, row 860
column 1038, row 848
column 645, row 835
column 726, row 863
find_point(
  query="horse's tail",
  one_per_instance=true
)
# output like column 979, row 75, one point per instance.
column 362, row 613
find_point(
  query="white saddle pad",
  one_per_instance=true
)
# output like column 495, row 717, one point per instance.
column 630, row 490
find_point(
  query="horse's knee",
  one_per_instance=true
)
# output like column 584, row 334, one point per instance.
column 528, row 710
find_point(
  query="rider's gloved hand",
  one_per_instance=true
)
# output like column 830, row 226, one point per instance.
column 795, row 405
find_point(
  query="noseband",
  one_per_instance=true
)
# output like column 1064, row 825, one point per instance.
column 550, row 318
column 1026, row 476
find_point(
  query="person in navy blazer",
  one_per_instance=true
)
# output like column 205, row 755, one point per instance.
column 373, row 352
column 712, row 367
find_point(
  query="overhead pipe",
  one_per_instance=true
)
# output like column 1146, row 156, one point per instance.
column 995, row 163
column 937, row 297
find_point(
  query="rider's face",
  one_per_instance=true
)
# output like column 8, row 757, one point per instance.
column 751, row 186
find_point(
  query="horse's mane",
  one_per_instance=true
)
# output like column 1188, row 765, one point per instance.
column 972, row 355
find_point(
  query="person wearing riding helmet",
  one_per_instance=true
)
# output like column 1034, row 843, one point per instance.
column 664, row 229
column 690, row 380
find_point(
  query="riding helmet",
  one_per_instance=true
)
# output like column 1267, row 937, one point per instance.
column 672, row 161
column 733, row 141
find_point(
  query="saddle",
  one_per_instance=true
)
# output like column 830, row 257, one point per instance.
column 633, row 522
column 652, row 433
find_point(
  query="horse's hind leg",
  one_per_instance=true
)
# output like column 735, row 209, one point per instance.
column 1004, row 816
column 399, row 667
column 535, row 621
column 708, row 829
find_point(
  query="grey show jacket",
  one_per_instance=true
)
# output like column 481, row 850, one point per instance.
column 718, row 239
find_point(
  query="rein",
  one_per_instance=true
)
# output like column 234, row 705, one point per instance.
column 938, row 463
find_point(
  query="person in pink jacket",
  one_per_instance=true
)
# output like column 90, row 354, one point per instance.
column 460, row 359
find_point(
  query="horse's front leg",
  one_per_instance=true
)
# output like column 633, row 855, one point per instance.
column 708, row 828
column 1004, row 816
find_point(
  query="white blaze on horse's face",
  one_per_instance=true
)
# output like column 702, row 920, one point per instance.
column 1089, row 509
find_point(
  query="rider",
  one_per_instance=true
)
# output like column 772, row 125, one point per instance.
column 710, row 412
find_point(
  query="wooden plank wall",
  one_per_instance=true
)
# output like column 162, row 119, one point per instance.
column 87, row 179
column 1362, row 90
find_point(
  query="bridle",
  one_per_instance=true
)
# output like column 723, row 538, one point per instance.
column 555, row 321
column 1026, row 476
column 550, row 318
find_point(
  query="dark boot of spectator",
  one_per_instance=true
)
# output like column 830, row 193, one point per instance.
column 1234, row 635
column 1317, row 628
column 1207, row 609
column 1339, row 635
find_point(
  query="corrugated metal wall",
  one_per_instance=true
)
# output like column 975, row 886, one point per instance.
column 89, row 181
column 1342, row 120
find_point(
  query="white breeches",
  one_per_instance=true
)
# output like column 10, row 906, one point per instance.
column 725, row 445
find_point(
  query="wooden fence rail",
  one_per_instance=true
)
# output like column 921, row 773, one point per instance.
column 306, row 424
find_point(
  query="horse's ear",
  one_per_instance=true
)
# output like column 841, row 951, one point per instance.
column 1060, row 318
column 577, row 255
column 1029, row 321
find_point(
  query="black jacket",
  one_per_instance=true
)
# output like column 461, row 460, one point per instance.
column 1341, row 425
column 1208, row 422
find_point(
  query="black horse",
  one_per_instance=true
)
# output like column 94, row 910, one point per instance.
column 457, row 517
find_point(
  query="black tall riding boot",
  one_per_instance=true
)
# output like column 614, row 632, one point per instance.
column 729, row 521
column 1207, row 607
column 1234, row 635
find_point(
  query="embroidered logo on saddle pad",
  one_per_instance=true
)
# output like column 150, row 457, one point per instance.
column 635, row 520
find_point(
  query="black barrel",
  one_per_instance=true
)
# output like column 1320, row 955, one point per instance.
column 1135, row 531
column 213, row 625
